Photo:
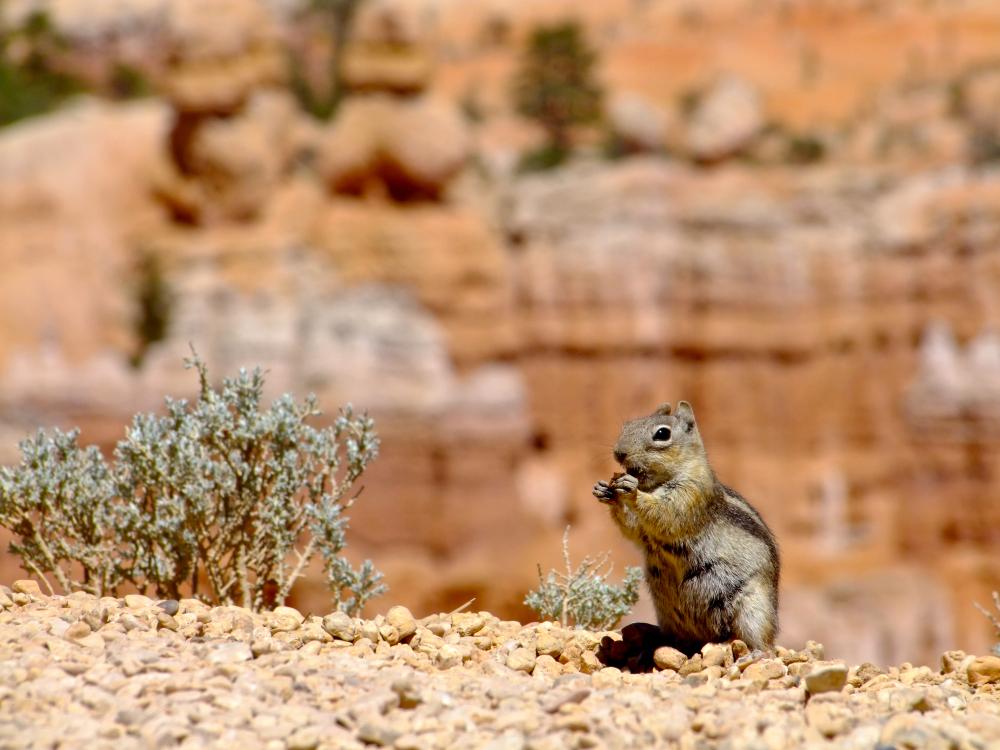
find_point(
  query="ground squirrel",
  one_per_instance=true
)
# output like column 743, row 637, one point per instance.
column 711, row 561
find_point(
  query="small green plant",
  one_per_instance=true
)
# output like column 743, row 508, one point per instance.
column 555, row 83
column 322, row 100
column 29, row 82
column 126, row 81
column 216, row 498
column 994, row 620
column 542, row 159
column 154, row 302
column 582, row 597
column 804, row 149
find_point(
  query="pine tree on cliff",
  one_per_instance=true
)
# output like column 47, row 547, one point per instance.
column 555, row 84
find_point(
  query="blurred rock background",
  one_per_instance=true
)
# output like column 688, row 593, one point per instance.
column 789, row 214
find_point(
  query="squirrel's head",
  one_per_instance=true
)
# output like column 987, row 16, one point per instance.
column 663, row 446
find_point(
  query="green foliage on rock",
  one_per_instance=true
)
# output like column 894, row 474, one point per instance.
column 154, row 302
column 217, row 498
column 321, row 99
column 555, row 83
column 582, row 596
column 542, row 159
column 127, row 81
column 29, row 82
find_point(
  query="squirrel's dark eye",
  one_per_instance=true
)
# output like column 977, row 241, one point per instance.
column 663, row 433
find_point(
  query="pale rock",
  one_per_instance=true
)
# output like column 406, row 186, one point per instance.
column 468, row 623
column 909, row 699
column 28, row 587
column 369, row 629
column 589, row 663
column 349, row 147
column 829, row 719
column 288, row 612
column 313, row 632
column 984, row 670
column 388, row 634
column 521, row 659
column 138, row 601
column 640, row 124
column 826, row 677
column 448, row 656
column 340, row 625
column 166, row 622
column 92, row 642
column 916, row 675
column 426, row 143
column 765, row 669
column 725, row 121
column 219, row 59
column 911, row 731
column 232, row 652
column 815, row 650
column 281, row 623
column 304, row 738
column 413, row 147
column 261, row 646
column 77, row 630
column 378, row 733
column 387, row 69
column 666, row 657
column 546, row 666
column 955, row 661
column 863, row 673
column 403, row 621
column 716, row 655
column 694, row 664
column 608, row 677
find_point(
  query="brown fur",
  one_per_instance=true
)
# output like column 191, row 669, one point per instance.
column 711, row 562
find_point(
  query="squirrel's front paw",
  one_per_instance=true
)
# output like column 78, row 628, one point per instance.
column 603, row 492
column 624, row 484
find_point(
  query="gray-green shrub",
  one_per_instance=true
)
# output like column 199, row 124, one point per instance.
column 216, row 498
column 582, row 596
column 59, row 504
column 994, row 620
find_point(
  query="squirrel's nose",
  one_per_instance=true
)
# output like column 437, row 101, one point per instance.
column 619, row 456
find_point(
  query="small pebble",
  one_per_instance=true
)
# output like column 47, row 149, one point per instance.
column 825, row 678
column 170, row 606
column 27, row 587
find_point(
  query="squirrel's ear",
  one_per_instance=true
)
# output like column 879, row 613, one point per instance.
column 685, row 412
column 663, row 410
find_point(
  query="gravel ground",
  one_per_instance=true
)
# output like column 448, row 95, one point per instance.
column 82, row 672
